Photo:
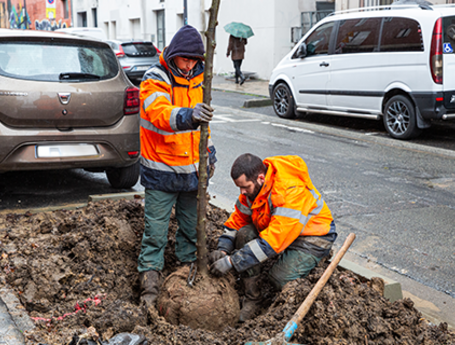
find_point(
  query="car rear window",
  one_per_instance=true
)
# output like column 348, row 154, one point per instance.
column 139, row 49
column 401, row 35
column 57, row 62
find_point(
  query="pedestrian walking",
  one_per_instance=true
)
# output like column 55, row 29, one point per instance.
column 279, row 212
column 236, row 49
column 171, row 108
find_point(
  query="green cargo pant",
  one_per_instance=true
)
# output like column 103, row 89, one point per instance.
column 291, row 265
column 158, row 208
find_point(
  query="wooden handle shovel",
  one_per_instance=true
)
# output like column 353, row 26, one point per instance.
column 291, row 326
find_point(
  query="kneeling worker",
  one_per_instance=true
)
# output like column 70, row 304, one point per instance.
column 279, row 212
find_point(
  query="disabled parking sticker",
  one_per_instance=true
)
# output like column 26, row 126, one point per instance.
column 447, row 48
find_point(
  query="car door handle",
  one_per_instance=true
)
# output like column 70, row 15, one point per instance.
column 324, row 64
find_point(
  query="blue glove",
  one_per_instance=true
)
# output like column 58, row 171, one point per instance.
column 221, row 267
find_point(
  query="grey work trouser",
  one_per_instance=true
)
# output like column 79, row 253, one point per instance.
column 291, row 265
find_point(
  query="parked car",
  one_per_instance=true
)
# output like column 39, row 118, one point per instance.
column 97, row 33
column 135, row 57
column 392, row 62
column 65, row 103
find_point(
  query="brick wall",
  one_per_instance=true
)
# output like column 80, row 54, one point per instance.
column 31, row 14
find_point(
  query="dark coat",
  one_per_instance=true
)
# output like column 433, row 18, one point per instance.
column 236, row 48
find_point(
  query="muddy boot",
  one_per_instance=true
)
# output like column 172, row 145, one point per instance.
column 150, row 287
column 252, row 300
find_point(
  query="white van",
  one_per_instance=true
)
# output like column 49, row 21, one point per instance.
column 393, row 62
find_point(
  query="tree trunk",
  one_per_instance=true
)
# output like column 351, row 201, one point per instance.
column 201, row 244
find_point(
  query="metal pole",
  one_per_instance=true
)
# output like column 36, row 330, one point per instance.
column 185, row 13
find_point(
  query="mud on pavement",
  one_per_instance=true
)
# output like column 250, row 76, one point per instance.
column 75, row 270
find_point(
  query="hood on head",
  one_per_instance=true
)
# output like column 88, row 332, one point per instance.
column 186, row 42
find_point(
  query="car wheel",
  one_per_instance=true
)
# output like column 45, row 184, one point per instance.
column 125, row 177
column 283, row 101
column 400, row 118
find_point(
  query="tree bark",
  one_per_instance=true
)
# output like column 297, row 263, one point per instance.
column 201, row 244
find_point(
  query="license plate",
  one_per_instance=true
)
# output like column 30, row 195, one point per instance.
column 141, row 68
column 61, row 151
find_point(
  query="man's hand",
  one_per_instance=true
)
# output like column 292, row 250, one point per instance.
column 212, row 170
column 202, row 113
column 216, row 255
column 221, row 267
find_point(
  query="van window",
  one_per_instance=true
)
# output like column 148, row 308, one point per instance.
column 358, row 36
column 318, row 42
column 449, row 33
column 401, row 35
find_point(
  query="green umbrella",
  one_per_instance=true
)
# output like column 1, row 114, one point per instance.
column 239, row 30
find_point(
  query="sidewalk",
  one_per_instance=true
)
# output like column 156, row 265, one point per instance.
column 252, row 86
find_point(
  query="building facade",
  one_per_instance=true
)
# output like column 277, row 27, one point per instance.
column 35, row 14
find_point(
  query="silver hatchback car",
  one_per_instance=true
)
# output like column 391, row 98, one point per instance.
column 66, row 103
column 135, row 56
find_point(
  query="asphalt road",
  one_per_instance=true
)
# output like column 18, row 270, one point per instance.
column 398, row 197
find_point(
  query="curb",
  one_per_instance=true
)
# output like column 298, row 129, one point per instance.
column 9, row 332
column 254, row 103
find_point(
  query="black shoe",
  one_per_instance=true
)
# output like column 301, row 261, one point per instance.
column 236, row 81
column 242, row 80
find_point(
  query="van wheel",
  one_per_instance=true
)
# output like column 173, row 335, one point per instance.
column 400, row 118
column 125, row 177
column 283, row 101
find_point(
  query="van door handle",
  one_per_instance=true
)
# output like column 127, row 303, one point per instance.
column 324, row 64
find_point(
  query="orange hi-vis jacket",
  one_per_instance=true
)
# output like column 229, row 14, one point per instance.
column 169, row 138
column 287, row 207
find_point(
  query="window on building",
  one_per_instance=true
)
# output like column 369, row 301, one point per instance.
column 66, row 13
column 82, row 19
column 160, row 30
column 135, row 28
column 358, row 36
column 401, row 34
column 318, row 42
column 95, row 17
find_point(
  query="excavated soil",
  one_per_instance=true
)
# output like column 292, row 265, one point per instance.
column 75, row 273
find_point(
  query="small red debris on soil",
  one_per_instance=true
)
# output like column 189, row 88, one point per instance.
column 58, row 258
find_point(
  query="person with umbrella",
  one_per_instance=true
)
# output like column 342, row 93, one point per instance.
column 239, row 33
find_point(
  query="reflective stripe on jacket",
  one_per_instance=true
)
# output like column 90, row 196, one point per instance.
column 169, row 138
column 288, row 207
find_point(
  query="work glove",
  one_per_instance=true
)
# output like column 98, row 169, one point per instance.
column 221, row 267
column 215, row 256
column 202, row 113
column 212, row 170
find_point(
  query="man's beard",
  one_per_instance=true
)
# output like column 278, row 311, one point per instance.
column 257, row 189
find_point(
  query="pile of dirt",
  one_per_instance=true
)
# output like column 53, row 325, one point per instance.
column 76, row 269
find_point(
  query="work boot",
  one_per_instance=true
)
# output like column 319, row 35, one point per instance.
column 150, row 287
column 252, row 300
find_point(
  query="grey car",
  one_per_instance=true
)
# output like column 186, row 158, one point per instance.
column 135, row 56
column 66, row 103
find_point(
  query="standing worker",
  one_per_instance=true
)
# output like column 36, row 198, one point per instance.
column 171, row 111
column 279, row 212
column 236, row 48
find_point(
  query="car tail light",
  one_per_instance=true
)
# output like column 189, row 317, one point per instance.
column 133, row 154
column 157, row 50
column 132, row 102
column 436, row 52
column 126, row 67
column 121, row 52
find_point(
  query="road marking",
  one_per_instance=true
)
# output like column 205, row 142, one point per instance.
column 229, row 118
